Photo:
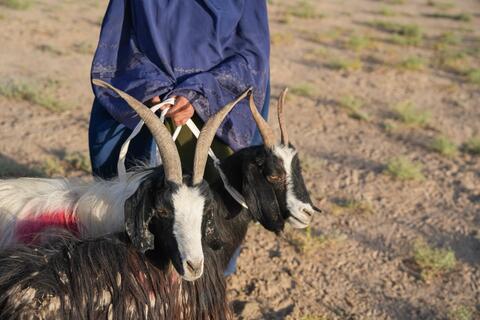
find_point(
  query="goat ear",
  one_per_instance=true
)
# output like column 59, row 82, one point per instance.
column 139, row 210
column 261, row 199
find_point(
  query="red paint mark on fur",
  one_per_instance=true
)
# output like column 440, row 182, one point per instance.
column 27, row 230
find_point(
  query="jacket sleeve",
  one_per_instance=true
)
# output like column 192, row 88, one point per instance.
column 246, row 64
column 119, row 62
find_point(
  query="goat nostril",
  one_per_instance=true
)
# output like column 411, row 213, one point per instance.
column 308, row 212
column 194, row 267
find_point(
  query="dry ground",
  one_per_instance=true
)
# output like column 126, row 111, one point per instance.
column 372, row 81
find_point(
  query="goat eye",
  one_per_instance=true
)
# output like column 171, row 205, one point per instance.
column 275, row 179
column 162, row 213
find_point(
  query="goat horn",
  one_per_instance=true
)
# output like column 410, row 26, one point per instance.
column 281, row 117
column 166, row 146
column 265, row 130
column 206, row 137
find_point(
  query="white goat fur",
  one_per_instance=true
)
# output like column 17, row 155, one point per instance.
column 97, row 205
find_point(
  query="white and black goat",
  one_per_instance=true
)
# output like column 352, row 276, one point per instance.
column 152, row 203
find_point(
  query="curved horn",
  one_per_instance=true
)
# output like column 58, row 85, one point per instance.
column 166, row 146
column 265, row 130
column 281, row 117
column 206, row 137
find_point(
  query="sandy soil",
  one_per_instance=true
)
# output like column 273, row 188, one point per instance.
column 358, row 260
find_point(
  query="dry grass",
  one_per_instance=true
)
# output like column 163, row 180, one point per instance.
column 472, row 146
column 412, row 64
column 408, row 113
column 403, row 169
column 17, row 4
column 281, row 38
column 78, row 161
column 444, row 146
column 461, row 313
column 354, row 106
column 345, row 64
column 307, row 242
column 433, row 261
column 304, row 90
column 39, row 94
column 403, row 34
column 473, row 76
column 304, row 9
column 52, row 167
column 359, row 207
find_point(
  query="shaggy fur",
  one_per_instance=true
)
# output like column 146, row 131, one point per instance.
column 104, row 279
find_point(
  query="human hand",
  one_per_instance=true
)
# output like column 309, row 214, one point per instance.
column 181, row 111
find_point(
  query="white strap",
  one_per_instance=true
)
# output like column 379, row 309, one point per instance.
column 122, row 172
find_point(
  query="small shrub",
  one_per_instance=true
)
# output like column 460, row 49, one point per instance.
column 444, row 146
column 353, row 207
column 281, row 38
column 407, row 113
column 403, row 169
column 448, row 38
column 460, row 313
column 354, row 108
column 358, row 43
column 304, row 90
column 17, row 4
column 441, row 5
column 403, row 34
column 473, row 76
column 412, row 64
column 472, row 146
column 464, row 17
column 432, row 261
column 306, row 242
column 52, row 167
column 304, row 9
column 78, row 161
column 39, row 95
column 387, row 12
column 345, row 64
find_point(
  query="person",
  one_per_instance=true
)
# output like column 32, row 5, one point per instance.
column 202, row 52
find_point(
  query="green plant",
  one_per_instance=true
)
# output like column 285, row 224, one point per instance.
column 39, row 95
column 432, row 261
column 345, row 64
column 460, row 313
column 444, row 146
column 304, row 9
column 403, row 34
column 403, row 169
column 52, row 167
column 407, row 113
column 281, row 38
column 16, row 4
column 472, row 146
column 352, row 206
column 387, row 12
column 354, row 108
column 304, row 90
column 78, row 161
column 358, row 42
column 413, row 64
column 307, row 242
column 473, row 76
column 441, row 5
column 464, row 17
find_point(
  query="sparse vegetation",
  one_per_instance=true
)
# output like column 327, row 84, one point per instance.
column 387, row 12
column 473, row 76
column 460, row 313
column 358, row 42
column 403, row 34
column 403, row 169
column 412, row 64
column 441, row 5
column 304, row 9
column 407, row 113
column 16, row 4
column 49, row 49
column 313, row 317
column 281, row 38
column 472, row 146
column 52, row 167
column 464, row 17
column 354, row 108
column 10, row 168
column 308, row 242
column 41, row 95
column 432, row 261
column 304, row 90
column 83, row 48
column 359, row 207
column 444, row 146
column 345, row 64
column 78, row 161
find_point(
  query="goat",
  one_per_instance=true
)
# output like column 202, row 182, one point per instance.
column 181, row 204
column 104, row 278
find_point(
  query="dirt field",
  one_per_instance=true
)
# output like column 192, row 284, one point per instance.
column 385, row 111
